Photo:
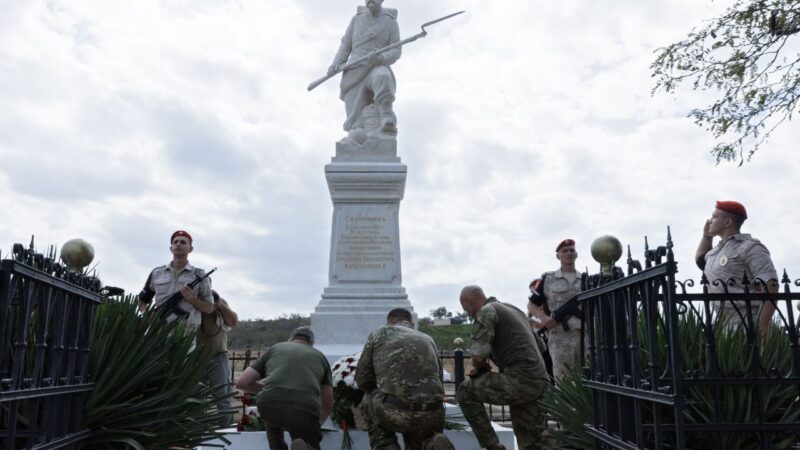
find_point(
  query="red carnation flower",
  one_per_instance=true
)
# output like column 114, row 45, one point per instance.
column 247, row 399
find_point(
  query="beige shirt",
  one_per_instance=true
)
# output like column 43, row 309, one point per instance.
column 558, row 290
column 213, row 332
column 164, row 283
column 734, row 257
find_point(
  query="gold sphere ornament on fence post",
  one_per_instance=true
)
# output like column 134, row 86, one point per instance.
column 458, row 343
column 77, row 254
column 606, row 250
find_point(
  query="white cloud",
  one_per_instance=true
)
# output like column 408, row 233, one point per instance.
column 123, row 121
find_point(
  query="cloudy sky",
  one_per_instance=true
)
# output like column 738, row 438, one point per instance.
column 522, row 123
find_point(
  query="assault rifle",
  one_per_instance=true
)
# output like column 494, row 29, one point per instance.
column 363, row 59
column 172, row 304
column 562, row 314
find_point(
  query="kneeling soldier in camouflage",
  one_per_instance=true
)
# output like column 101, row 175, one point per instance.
column 501, row 331
column 399, row 371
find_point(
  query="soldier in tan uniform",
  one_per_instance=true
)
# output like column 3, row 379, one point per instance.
column 212, row 335
column 501, row 333
column 549, row 293
column 165, row 280
column 399, row 372
column 734, row 256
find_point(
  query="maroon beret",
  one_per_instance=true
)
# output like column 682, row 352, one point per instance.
column 565, row 243
column 180, row 233
column 732, row 207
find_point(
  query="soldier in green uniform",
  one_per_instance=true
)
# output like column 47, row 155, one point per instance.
column 500, row 332
column 399, row 371
column 295, row 391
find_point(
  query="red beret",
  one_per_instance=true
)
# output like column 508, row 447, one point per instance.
column 732, row 207
column 565, row 243
column 180, row 233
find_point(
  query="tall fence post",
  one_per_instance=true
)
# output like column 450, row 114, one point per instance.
column 458, row 362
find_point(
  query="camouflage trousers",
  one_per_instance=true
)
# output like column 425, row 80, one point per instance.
column 520, row 391
column 384, row 420
column 565, row 349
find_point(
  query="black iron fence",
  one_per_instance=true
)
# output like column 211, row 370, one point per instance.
column 667, row 370
column 455, row 363
column 239, row 362
column 46, row 316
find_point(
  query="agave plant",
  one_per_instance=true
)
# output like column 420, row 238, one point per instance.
column 148, row 391
column 570, row 402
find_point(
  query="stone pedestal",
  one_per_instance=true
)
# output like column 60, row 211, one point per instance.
column 366, row 183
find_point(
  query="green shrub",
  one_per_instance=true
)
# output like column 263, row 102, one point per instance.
column 570, row 404
column 148, row 391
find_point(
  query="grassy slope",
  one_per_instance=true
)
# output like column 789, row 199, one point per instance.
column 258, row 334
column 443, row 335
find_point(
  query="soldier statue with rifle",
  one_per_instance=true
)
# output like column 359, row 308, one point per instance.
column 368, row 48
column 180, row 290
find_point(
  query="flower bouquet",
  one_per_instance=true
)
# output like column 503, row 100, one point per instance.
column 250, row 420
column 346, row 395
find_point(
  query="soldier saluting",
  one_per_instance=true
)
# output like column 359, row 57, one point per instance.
column 736, row 255
column 549, row 293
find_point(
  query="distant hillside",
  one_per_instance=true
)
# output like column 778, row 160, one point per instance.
column 445, row 334
column 259, row 333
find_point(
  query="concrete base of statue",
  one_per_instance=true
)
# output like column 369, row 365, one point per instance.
column 332, row 440
column 366, row 181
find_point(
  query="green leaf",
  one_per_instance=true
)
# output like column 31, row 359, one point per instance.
column 149, row 392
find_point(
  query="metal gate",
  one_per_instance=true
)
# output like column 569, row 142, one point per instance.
column 46, row 316
column 665, row 373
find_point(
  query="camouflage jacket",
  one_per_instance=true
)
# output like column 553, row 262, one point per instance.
column 400, row 361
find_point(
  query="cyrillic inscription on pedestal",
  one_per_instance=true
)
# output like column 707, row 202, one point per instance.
column 364, row 278
column 366, row 248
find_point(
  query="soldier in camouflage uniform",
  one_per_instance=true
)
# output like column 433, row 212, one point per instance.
column 500, row 332
column 399, row 372
column 549, row 293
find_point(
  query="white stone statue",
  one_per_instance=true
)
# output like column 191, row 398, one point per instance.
column 369, row 46
column 371, row 83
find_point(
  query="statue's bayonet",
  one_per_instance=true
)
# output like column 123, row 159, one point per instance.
column 361, row 60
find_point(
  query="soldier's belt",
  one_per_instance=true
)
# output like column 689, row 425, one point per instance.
column 412, row 406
